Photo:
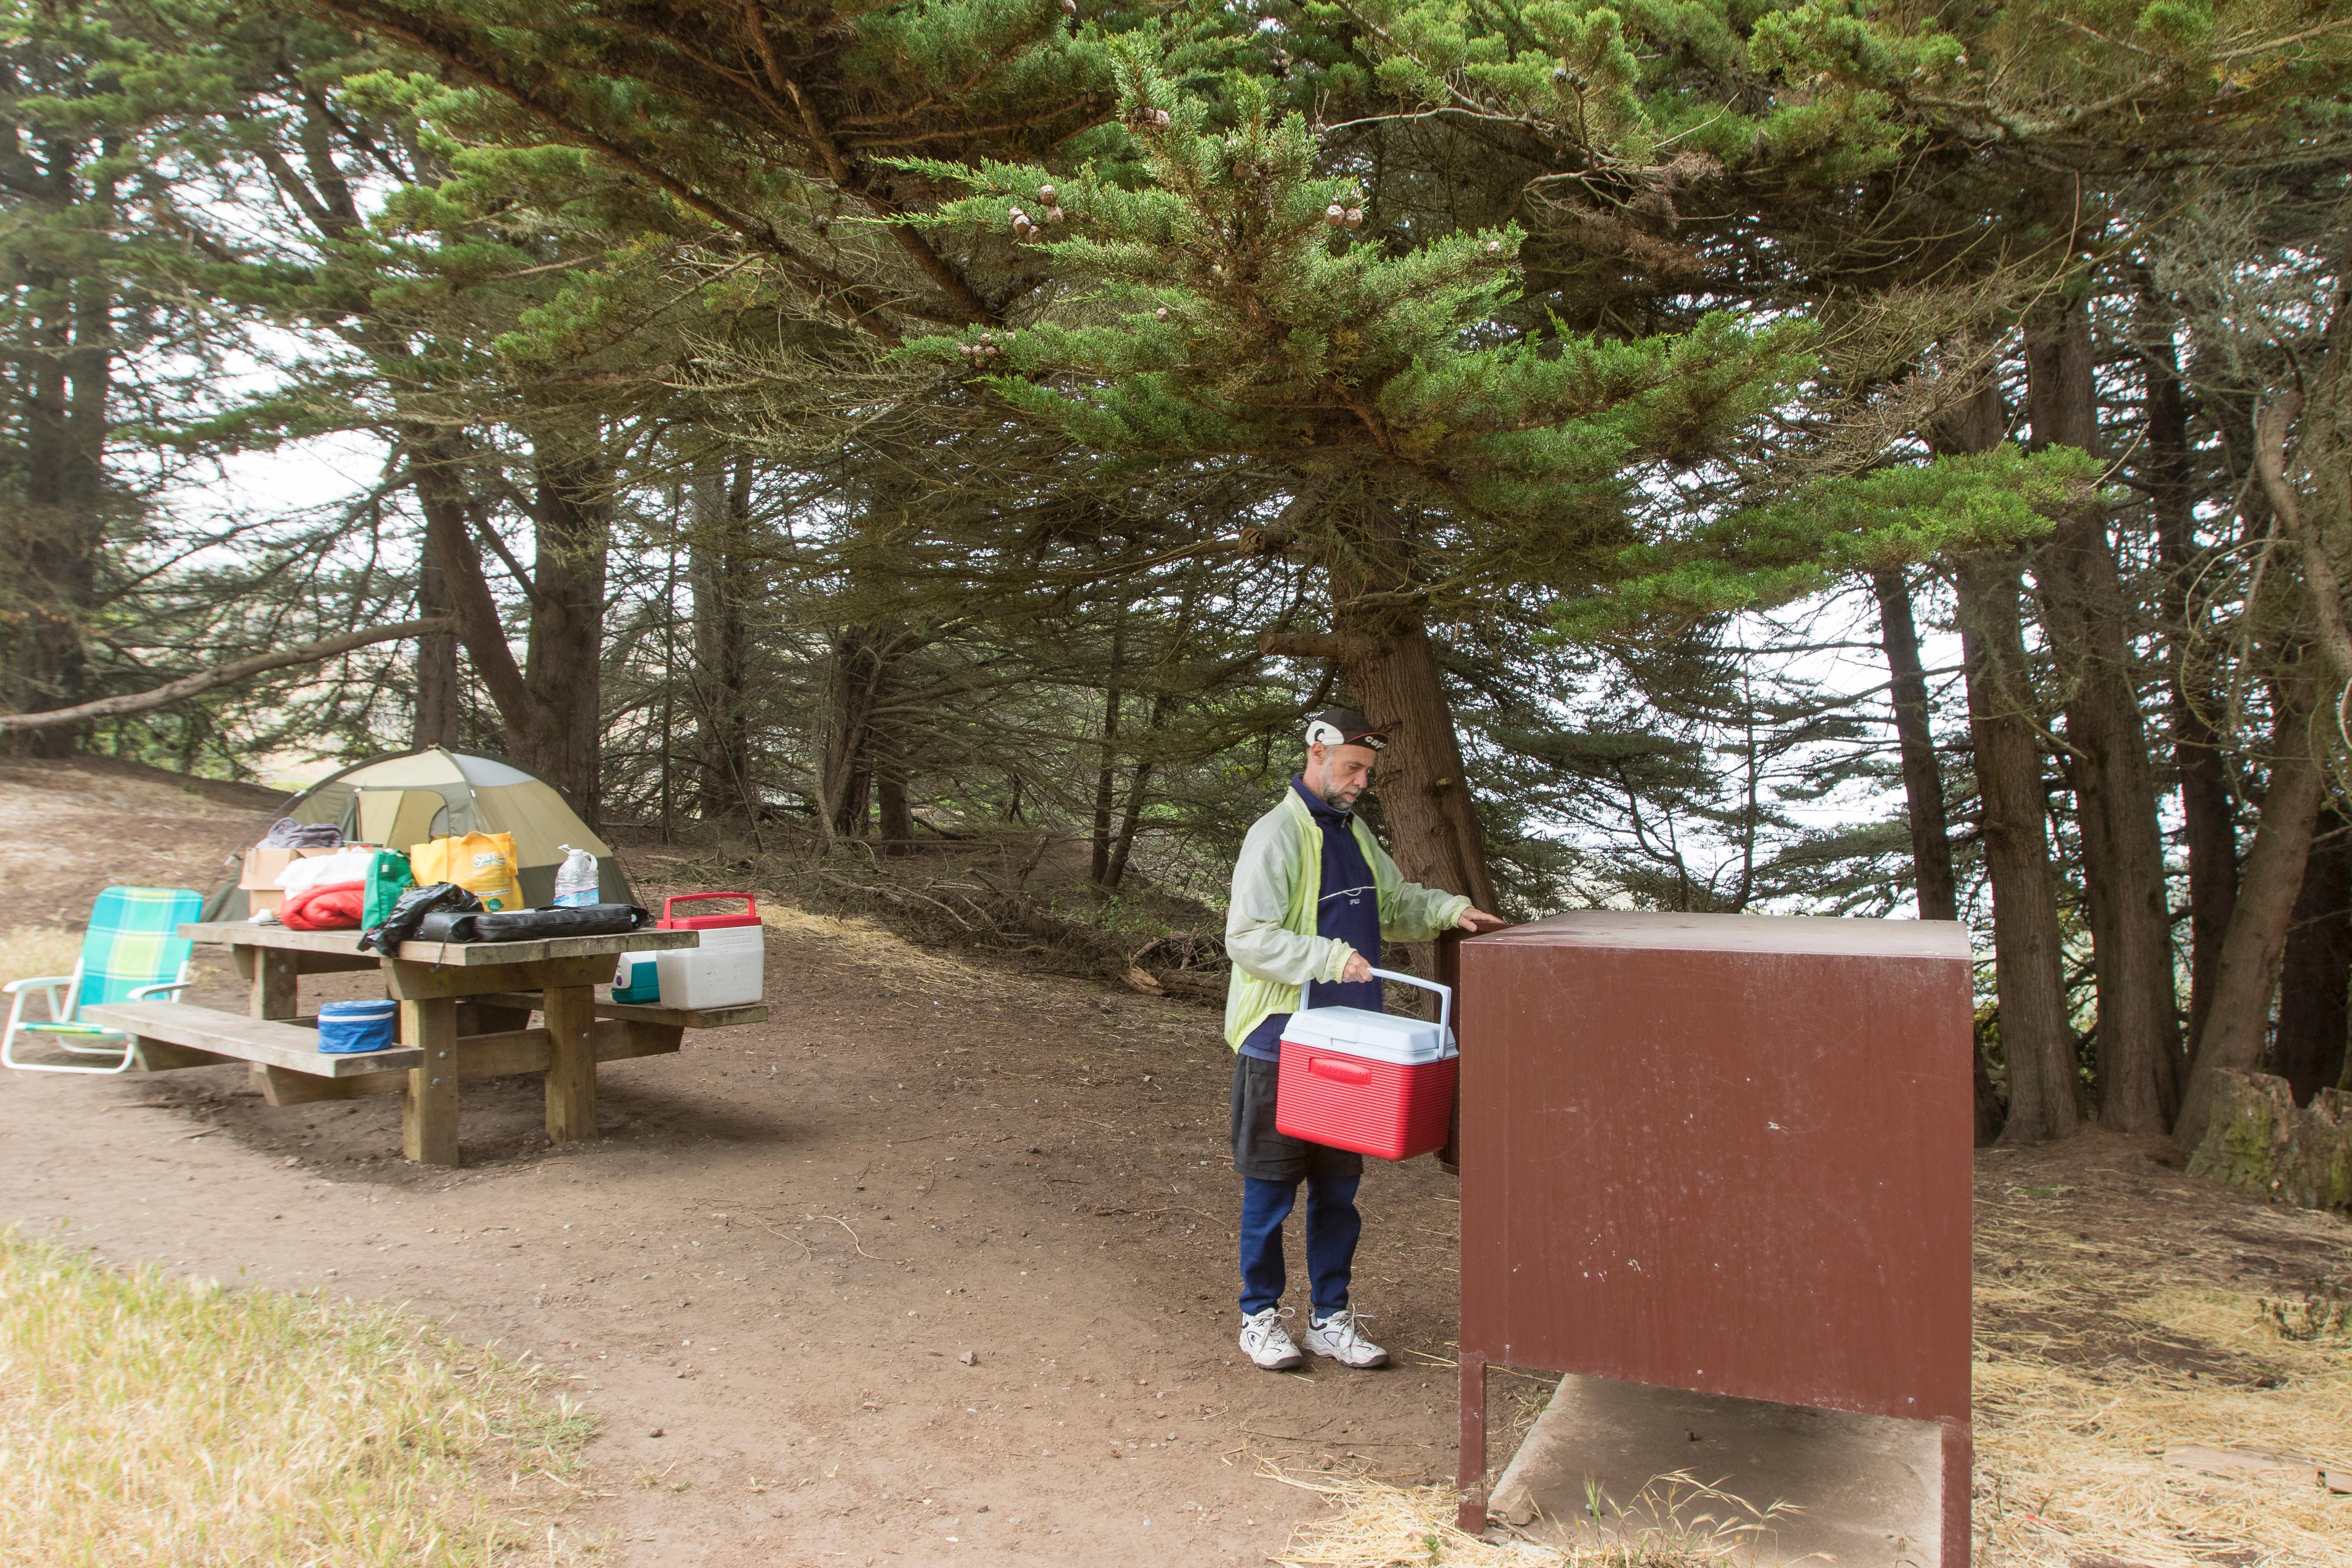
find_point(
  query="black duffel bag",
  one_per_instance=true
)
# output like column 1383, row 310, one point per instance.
column 532, row 925
column 412, row 910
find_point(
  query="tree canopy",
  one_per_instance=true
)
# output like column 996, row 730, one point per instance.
column 1824, row 457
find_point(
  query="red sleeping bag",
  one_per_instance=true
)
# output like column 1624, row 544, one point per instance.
column 331, row 906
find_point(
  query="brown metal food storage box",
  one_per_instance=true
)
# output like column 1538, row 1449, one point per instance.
column 1721, row 1153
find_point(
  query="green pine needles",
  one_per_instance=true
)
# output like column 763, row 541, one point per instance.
column 1216, row 299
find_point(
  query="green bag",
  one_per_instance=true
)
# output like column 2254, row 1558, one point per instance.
column 388, row 876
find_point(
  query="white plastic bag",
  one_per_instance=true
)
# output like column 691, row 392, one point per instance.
column 347, row 865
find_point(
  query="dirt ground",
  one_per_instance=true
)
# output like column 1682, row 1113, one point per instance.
column 764, row 1280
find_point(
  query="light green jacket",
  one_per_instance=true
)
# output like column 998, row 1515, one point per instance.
column 1270, row 926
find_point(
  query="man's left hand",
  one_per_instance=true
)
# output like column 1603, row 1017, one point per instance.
column 1474, row 921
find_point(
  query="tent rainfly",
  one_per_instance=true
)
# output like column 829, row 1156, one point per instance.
column 404, row 801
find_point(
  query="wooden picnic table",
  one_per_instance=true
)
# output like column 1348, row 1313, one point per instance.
column 463, row 1008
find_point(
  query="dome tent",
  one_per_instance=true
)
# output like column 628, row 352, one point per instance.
column 403, row 800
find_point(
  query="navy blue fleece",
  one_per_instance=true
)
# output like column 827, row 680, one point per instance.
column 1348, row 908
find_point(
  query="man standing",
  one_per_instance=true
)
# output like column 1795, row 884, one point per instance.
column 1314, row 894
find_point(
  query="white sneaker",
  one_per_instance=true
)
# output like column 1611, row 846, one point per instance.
column 1337, row 1336
column 1266, row 1343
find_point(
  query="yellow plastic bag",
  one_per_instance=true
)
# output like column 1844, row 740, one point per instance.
column 481, row 863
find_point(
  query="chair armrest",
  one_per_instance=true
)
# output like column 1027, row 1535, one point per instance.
column 145, row 992
column 51, row 981
column 17, row 990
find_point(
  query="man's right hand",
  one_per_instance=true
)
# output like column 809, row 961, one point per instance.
column 1358, row 968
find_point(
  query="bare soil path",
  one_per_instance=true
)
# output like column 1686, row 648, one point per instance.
column 765, row 1279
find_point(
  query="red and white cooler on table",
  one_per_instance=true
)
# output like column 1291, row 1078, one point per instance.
column 1372, row 1082
column 727, row 969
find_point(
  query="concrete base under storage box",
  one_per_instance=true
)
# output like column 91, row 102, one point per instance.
column 1860, row 1490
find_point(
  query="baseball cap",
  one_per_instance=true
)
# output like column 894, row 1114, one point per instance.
column 1344, row 727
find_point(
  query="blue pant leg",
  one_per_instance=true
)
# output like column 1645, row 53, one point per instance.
column 1332, row 1226
column 1264, row 1205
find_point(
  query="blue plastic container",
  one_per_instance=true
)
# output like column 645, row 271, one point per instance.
column 348, row 1026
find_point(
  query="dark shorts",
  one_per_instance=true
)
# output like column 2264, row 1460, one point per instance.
column 1270, row 1156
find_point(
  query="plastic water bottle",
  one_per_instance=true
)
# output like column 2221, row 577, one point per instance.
column 575, row 879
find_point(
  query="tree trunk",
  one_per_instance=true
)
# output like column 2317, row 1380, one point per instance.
column 2313, row 1012
column 897, row 810
column 437, row 658
column 2037, row 1040
column 2208, row 812
column 1977, row 425
column 1425, row 800
column 1390, row 671
column 53, row 544
column 442, row 494
column 858, row 668
column 2247, row 976
column 1923, row 781
column 564, row 661
column 720, row 569
column 1130, row 816
column 1106, row 769
column 2105, row 758
column 550, row 706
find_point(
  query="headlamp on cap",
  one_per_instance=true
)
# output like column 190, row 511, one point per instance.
column 1344, row 727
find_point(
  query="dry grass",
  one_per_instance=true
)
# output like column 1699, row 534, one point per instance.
column 868, row 943
column 149, row 1419
column 2123, row 1310
column 1674, row 1522
column 2119, row 1315
column 29, row 951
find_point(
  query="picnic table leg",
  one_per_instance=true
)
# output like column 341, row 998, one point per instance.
column 571, row 1013
column 428, row 1106
column 274, row 981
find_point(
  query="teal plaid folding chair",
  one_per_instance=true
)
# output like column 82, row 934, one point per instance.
column 133, row 950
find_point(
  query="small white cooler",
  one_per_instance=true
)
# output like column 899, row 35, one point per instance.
column 725, row 970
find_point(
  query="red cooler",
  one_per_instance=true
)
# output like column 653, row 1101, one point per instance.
column 1380, row 1084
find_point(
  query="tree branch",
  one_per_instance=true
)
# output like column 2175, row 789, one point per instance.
column 855, row 303
column 2318, row 571
column 205, row 680
column 1297, row 645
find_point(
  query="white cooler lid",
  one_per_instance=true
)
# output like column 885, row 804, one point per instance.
column 1377, row 1037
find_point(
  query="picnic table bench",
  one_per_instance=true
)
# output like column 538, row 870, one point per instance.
column 464, row 1008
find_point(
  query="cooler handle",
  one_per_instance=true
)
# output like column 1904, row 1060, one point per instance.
column 1445, row 992
column 752, row 905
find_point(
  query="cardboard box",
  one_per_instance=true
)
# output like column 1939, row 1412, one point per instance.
column 259, row 879
column 262, row 864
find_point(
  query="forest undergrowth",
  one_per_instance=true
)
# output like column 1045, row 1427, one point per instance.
column 1021, row 895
